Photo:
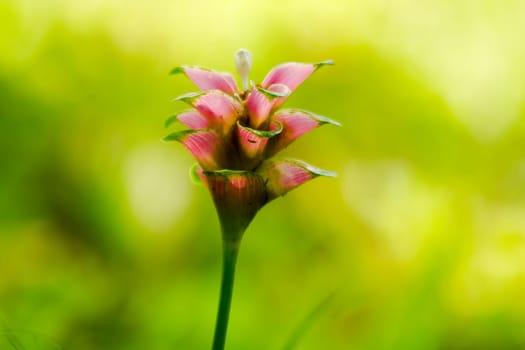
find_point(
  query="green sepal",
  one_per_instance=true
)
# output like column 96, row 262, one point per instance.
column 178, row 135
column 315, row 170
column 194, row 175
column 318, row 118
column 310, row 168
column 273, row 94
column 276, row 174
column 263, row 133
column 189, row 97
column 323, row 63
column 173, row 118
column 170, row 120
column 181, row 69
column 177, row 70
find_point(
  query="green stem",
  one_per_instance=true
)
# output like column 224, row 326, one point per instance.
column 229, row 251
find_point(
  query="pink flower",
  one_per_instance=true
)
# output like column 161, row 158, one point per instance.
column 234, row 133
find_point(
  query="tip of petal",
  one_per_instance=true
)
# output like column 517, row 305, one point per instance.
column 326, row 120
column 196, row 174
column 283, row 175
column 312, row 169
column 322, row 172
column 320, row 119
column 182, row 69
column 264, row 133
column 189, row 97
column 178, row 135
column 271, row 94
column 243, row 63
column 177, row 70
column 324, row 63
column 171, row 119
column 194, row 120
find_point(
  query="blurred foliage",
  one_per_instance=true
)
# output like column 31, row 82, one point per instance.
column 106, row 244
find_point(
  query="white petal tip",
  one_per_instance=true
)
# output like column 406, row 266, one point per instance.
column 243, row 63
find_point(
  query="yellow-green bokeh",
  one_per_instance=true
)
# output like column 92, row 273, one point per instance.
column 420, row 242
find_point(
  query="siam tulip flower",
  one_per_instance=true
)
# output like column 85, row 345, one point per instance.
column 234, row 134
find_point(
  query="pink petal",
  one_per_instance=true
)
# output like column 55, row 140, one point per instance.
column 292, row 75
column 259, row 107
column 205, row 145
column 260, row 102
column 253, row 143
column 221, row 110
column 193, row 120
column 207, row 79
column 282, row 176
column 295, row 123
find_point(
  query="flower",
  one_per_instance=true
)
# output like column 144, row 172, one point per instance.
column 235, row 133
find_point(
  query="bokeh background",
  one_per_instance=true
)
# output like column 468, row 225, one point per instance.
column 105, row 243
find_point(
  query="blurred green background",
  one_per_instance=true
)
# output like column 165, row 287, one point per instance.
column 420, row 242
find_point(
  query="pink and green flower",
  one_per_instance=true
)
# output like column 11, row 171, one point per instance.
column 234, row 134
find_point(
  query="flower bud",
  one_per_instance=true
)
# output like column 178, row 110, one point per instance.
column 243, row 63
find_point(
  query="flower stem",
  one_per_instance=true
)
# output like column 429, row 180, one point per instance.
column 230, row 250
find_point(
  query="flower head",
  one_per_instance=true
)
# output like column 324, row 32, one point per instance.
column 233, row 133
